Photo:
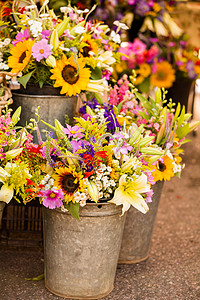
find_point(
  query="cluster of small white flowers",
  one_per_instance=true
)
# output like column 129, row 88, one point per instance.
column 177, row 168
column 103, row 182
column 35, row 27
column 81, row 198
column 3, row 45
column 47, row 182
column 99, row 114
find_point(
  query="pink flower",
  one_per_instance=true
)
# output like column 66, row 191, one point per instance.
column 157, row 127
column 46, row 34
column 41, row 50
column 74, row 131
column 21, row 36
column 152, row 53
column 149, row 196
column 52, row 198
column 132, row 2
column 138, row 47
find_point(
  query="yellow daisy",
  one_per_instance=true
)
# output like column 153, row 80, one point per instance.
column 164, row 169
column 164, row 75
column 69, row 181
column 71, row 75
column 90, row 47
column 20, row 56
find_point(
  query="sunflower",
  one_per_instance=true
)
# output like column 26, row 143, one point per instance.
column 71, row 75
column 164, row 169
column 69, row 181
column 145, row 70
column 164, row 75
column 89, row 45
column 20, row 56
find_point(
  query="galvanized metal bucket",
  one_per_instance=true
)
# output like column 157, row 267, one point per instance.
column 52, row 106
column 2, row 205
column 138, row 230
column 80, row 257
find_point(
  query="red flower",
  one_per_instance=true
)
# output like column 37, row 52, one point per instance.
column 92, row 162
column 6, row 11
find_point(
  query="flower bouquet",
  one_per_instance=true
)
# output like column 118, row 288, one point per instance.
column 159, row 62
column 169, row 128
column 14, row 172
column 87, row 178
column 66, row 51
column 154, row 16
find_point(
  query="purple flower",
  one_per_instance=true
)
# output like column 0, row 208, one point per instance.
column 21, row 36
column 142, row 8
column 41, row 50
column 53, row 198
column 46, row 34
column 190, row 68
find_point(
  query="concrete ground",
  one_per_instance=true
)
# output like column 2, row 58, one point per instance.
column 172, row 271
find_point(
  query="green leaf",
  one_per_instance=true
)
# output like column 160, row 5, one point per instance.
column 136, row 134
column 96, row 74
column 73, row 208
column 16, row 115
column 151, row 151
column 144, row 86
column 98, row 98
column 41, row 83
column 119, row 106
column 143, row 142
column 24, row 79
column 158, row 96
column 183, row 131
column 40, row 277
column 181, row 117
column 62, row 26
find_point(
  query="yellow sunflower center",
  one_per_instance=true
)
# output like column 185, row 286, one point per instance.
column 68, row 183
column 161, row 166
column 69, row 74
column 21, row 58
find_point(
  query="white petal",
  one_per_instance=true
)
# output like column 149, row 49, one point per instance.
column 6, row 193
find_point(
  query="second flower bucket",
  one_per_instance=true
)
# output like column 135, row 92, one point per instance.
column 138, row 230
column 80, row 257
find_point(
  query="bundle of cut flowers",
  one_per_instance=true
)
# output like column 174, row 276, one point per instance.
column 158, row 62
column 14, row 172
column 93, row 160
column 68, row 51
column 141, row 15
column 168, row 126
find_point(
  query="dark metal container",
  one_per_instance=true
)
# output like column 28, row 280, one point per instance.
column 138, row 230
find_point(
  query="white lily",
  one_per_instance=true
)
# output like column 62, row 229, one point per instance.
column 129, row 193
column 13, row 153
column 105, row 59
column 98, row 86
column 175, row 30
column 129, row 164
column 6, row 193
